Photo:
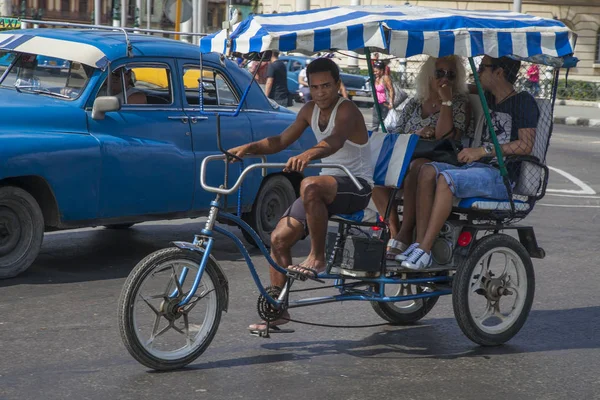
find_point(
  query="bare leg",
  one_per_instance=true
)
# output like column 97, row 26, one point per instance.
column 425, row 193
column 442, row 206
column 317, row 193
column 287, row 232
column 381, row 196
column 410, row 202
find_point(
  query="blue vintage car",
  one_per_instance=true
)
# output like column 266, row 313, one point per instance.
column 73, row 154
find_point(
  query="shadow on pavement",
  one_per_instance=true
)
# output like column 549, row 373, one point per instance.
column 431, row 340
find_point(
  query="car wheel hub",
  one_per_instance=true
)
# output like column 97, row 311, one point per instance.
column 10, row 230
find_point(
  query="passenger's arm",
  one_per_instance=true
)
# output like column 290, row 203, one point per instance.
column 445, row 121
column 521, row 147
column 347, row 119
column 275, row 144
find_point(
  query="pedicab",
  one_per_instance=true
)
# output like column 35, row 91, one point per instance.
column 172, row 301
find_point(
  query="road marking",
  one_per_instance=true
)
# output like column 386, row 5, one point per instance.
column 573, row 195
column 585, row 189
column 566, row 205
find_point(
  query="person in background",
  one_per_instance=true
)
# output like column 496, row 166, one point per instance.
column 303, row 83
column 533, row 79
column 276, row 87
column 383, row 87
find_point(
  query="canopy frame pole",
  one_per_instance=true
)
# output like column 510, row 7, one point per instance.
column 373, row 90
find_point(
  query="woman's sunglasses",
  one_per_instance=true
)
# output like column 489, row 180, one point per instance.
column 441, row 73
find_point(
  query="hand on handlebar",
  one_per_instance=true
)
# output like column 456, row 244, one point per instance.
column 239, row 151
column 297, row 163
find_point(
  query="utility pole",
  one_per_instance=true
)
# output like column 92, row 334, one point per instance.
column 352, row 56
column 97, row 12
column 5, row 8
column 202, row 15
column 124, row 12
column 517, row 6
column 303, row 5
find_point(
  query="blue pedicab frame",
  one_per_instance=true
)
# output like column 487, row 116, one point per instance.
column 273, row 302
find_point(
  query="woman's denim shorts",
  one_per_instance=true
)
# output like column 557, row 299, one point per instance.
column 472, row 180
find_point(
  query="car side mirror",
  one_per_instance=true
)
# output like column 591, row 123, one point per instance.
column 104, row 104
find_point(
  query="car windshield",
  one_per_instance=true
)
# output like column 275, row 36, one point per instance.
column 44, row 75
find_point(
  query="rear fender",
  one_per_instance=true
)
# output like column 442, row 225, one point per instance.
column 223, row 281
column 526, row 237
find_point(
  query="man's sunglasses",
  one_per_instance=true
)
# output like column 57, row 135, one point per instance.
column 483, row 66
column 441, row 73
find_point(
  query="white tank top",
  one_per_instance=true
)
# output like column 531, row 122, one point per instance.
column 355, row 157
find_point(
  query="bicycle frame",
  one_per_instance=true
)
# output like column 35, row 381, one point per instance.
column 347, row 291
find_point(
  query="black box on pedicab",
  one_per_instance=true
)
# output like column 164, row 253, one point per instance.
column 359, row 253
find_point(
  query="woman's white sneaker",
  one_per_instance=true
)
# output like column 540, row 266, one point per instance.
column 404, row 255
column 417, row 260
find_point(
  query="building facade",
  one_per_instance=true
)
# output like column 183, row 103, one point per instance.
column 82, row 11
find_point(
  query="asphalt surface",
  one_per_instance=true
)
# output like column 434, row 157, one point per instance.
column 59, row 336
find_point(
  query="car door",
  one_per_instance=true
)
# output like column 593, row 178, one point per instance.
column 147, row 158
column 220, row 95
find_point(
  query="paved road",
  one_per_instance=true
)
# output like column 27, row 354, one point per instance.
column 59, row 337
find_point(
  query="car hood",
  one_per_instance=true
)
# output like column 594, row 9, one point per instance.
column 32, row 113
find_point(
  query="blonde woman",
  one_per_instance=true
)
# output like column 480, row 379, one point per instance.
column 440, row 106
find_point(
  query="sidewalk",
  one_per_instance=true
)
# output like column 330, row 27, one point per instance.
column 579, row 113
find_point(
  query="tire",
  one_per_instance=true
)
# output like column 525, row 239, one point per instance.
column 133, row 306
column 406, row 312
column 472, row 283
column 119, row 226
column 274, row 197
column 21, row 231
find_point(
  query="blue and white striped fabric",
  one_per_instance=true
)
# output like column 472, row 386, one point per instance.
column 394, row 159
column 49, row 47
column 403, row 31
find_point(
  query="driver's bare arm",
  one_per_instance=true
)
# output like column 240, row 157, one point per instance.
column 275, row 144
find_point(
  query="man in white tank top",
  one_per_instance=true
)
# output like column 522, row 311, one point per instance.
column 342, row 138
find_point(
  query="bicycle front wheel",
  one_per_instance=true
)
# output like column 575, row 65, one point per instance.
column 156, row 331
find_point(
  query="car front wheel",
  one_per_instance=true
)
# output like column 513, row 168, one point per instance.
column 276, row 194
column 21, row 231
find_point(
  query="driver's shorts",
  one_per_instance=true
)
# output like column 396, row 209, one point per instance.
column 348, row 200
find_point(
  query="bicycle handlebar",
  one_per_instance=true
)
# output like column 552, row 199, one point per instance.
column 262, row 165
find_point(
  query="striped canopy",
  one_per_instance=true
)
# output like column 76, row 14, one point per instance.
column 402, row 31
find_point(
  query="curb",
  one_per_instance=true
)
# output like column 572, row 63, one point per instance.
column 577, row 103
column 577, row 121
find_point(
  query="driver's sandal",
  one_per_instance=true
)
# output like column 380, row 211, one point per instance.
column 304, row 273
column 268, row 328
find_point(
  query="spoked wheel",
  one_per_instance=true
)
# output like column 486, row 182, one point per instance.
column 404, row 312
column 493, row 290
column 155, row 330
